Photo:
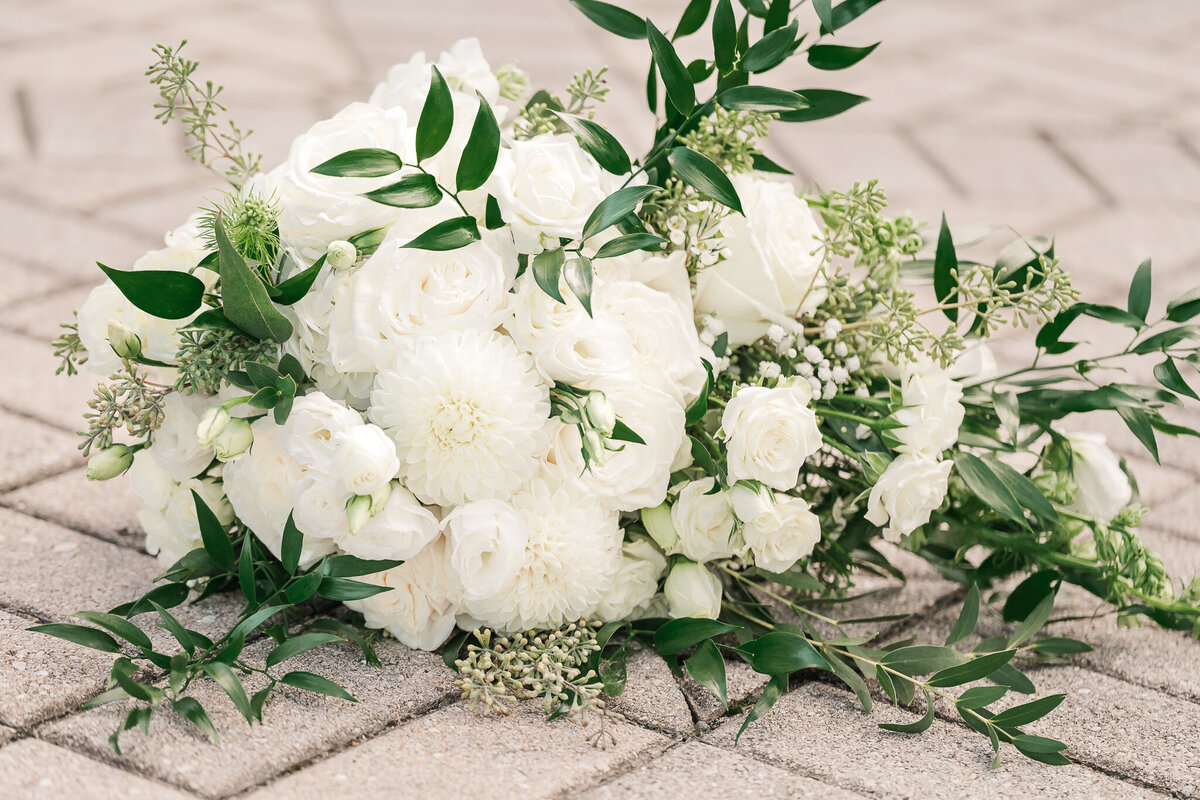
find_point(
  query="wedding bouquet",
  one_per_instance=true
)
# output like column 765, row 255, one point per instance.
column 462, row 364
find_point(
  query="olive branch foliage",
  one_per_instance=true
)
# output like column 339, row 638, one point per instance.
column 769, row 620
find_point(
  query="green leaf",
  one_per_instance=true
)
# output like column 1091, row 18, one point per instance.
column 547, row 270
column 775, row 689
column 964, row 626
column 763, row 164
column 1168, row 375
column 601, row 144
column 920, row 725
column 299, row 644
column 118, row 625
column 258, row 701
column 368, row 241
column 724, row 31
column 1026, row 492
column 707, row 668
column 1033, row 623
column 612, row 18
column 212, row 319
column 702, row 456
column 628, row 243
column 448, row 235
column 1028, row 594
column 760, row 98
column 693, row 17
column 1138, row 422
column 244, row 297
column 79, row 634
column 347, row 566
column 1116, row 316
column 849, row 10
column 824, row 9
column 1060, row 646
column 315, row 683
column 680, row 89
column 771, row 50
column 614, row 207
column 190, row 709
column 251, row 623
column 493, row 219
column 176, row 629
column 104, row 698
column 296, row 287
column 578, row 272
column 1184, row 307
column 437, row 117
column 232, row 649
column 680, row 634
column 1139, row 292
column 419, row 190
column 161, row 293
column 851, row 678
column 980, row 696
column 704, row 176
column 945, row 268
column 1013, row 678
column 482, row 148
column 822, row 104
column 346, row 589
column 835, row 56
column 1028, row 743
column 452, row 648
column 922, row 658
column 777, row 15
column 623, row 433
column 302, row 588
column 1028, row 712
column 213, row 534
column 366, row 162
column 782, row 652
column 292, row 544
column 987, row 486
column 225, row 677
column 976, row 669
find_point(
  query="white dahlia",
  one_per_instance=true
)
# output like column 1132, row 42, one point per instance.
column 572, row 556
column 468, row 413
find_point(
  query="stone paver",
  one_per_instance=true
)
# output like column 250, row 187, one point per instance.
column 30, row 450
column 34, row 770
column 456, row 753
column 743, row 686
column 107, row 509
column 31, row 388
column 652, row 696
column 720, row 773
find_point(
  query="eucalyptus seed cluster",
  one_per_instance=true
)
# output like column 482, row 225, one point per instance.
column 857, row 230
column 586, row 90
column 729, row 138
column 689, row 222
column 69, row 349
column 549, row 664
column 206, row 357
column 130, row 401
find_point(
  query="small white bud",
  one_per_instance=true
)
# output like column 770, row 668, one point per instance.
column 358, row 511
column 831, row 328
column 840, row 349
column 658, row 524
column 853, row 364
column 124, row 342
column 769, row 369
column 234, row 439
column 829, row 391
column 840, row 375
column 341, row 255
column 776, row 333
column 593, row 446
column 862, row 431
column 600, row 412
column 514, row 81
column 824, row 372
column 805, row 369
column 813, row 354
column 211, row 425
column 109, row 462
column 862, row 391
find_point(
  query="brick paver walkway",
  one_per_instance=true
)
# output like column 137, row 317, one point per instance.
column 1074, row 117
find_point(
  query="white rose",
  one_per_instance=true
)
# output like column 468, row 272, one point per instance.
column 910, row 489
column 464, row 68
column 175, row 447
column 566, row 343
column 547, row 187
column 313, row 321
column 399, row 531
column 421, row 607
column 665, row 273
column 692, row 591
column 486, row 542
column 932, row 411
column 318, row 209
column 1101, row 487
column 366, row 459
column 704, row 523
column 770, row 433
column 779, row 532
column 770, row 273
column 642, row 565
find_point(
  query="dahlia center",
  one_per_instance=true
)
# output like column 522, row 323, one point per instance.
column 456, row 422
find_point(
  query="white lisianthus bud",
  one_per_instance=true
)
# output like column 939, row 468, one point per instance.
column 660, row 527
column 593, row 447
column 600, row 413
column 124, row 342
column 211, row 425
column 380, row 497
column 341, row 255
column 692, row 591
column 358, row 511
column 514, row 81
column 109, row 462
column 234, row 439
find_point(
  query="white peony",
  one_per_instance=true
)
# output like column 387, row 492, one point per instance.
column 636, row 583
column 464, row 68
column 422, row 603
column 932, row 411
column 771, row 270
column 366, row 459
column 571, row 558
column 770, row 433
column 487, row 543
column 1101, row 487
column 910, row 489
column 400, row 530
column 692, row 591
column 704, row 523
column 467, row 412
column 318, row 209
column 780, row 531
column 547, row 187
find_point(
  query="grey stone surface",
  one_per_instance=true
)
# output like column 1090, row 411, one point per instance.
column 31, row 388
column 30, row 450
column 107, row 509
column 297, row 726
column 694, row 766
column 652, row 696
column 34, row 770
column 458, row 753
column 743, row 685
column 821, row 732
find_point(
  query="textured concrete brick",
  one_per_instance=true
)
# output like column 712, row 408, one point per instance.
column 107, row 509
column 743, row 686
column 821, row 732
column 298, row 726
column 34, row 770
column 457, row 753
column 721, row 773
column 31, row 387
column 30, row 450
column 65, row 243
column 652, row 696
column 23, row 281
column 41, row 318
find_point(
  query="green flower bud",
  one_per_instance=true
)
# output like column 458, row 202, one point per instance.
column 600, row 412
column 123, row 340
column 358, row 512
column 109, row 462
column 211, row 425
column 658, row 524
column 341, row 255
column 234, row 439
